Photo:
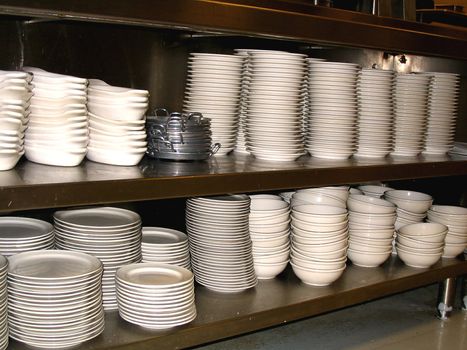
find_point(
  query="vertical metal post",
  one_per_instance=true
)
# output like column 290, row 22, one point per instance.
column 464, row 293
column 446, row 296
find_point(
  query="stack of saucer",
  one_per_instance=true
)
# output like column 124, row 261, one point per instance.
column 155, row 295
column 57, row 132
column 3, row 303
column 116, row 123
column 15, row 94
column 164, row 245
column 111, row 234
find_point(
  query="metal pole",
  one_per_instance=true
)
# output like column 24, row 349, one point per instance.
column 464, row 293
column 446, row 296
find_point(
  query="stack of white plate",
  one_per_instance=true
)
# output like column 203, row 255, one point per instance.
column 375, row 113
column 155, row 295
column 411, row 206
column 410, row 113
column 164, row 245
column 335, row 196
column 54, row 298
column 376, row 191
column 111, row 234
column 319, row 243
column 15, row 94
column 455, row 218
column 213, row 88
column 274, row 105
column 3, row 303
column 269, row 232
column 20, row 234
column 442, row 112
column 116, row 123
column 240, row 143
column 220, row 245
column 371, row 230
column 57, row 132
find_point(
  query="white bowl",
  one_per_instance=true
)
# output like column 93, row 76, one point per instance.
column 455, row 238
column 55, row 156
column 267, row 204
column 302, row 244
column 272, row 257
column 369, row 205
column 266, row 227
column 420, row 250
column 452, row 250
column 319, row 214
column 371, row 233
column 318, row 228
column 314, row 239
column 379, row 242
column 366, row 259
column 115, row 157
column 357, row 226
column 373, row 190
column 318, row 235
column 341, row 192
column 318, row 198
column 271, row 219
column 372, row 219
column 415, row 202
column 404, row 214
column 417, row 243
column 319, row 265
column 451, row 211
column 368, row 248
column 336, row 254
column 417, row 260
column 270, row 242
column 265, row 271
column 317, row 277
column 426, row 231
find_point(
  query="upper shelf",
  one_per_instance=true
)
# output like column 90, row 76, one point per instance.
column 33, row 186
column 267, row 18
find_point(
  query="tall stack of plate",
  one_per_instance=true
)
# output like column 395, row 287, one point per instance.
column 240, row 144
column 54, row 298
column 164, row 245
column 333, row 110
column 442, row 112
column 57, row 132
column 116, row 117
column 274, row 105
column 375, row 113
column 220, row 245
column 15, row 94
column 111, row 234
column 19, row 234
column 156, row 295
column 410, row 113
column 213, row 88
column 3, row 303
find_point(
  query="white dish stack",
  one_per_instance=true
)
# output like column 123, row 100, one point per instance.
column 15, row 95
column 442, row 112
column 57, row 132
column 240, row 143
column 155, row 295
column 269, row 232
column 116, row 123
column 54, row 298
column 335, row 196
column 375, row 113
column 213, row 87
column 220, row 245
column 3, row 303
column 113, row 235
column 167, row 246
column 411, row 206
column 376, row 191
column 20, row 234
column 410, row 113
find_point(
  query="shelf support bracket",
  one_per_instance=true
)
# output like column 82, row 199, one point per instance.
column 446, row 296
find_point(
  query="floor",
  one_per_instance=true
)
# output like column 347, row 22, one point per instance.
column 403, row 321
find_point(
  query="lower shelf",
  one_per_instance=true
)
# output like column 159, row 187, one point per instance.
column 272, row 302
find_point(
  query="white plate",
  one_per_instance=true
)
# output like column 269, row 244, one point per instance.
column 103, row 218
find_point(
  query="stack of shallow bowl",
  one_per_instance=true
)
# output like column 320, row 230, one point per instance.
column 57, row 132
column 374, row 190
column 455, row 218
column 155, row 295
column 111, row 234
column 411, row 206
column 3, row 303
column 269, row 232
column 116, row 122
column 164, row 245
column 319, row 243
column 371, row 230
column 335, row 196
column 421, row 245
column 54, row 298
column 15, row 94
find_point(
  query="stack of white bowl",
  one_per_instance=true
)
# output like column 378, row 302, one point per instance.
column 410, row 113
column 411, row 206
column 167, row 246
column 113, row 235
column 54, row 298
column 319, row 243
column 455, row 218
column 3, row 303
column 333, row 109
column 375, row 113
column 116, row 124
column 374, row 190
column 240, row 143
column 335, row 196
column 213, row 88
column 15, row 94
column 274, row 103
column 57, row 132
column 442, row 112
column 421, row 245
column 155, row 295
column 269, row 232
column 371, row 230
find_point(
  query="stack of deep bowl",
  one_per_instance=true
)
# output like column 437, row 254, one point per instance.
column 371, row 230
column 421, row 245
column 3, row 303
column 374, row 190
column 335, row 196
column 213, row 88
column 333, row 109
column 269, row 232
column 116, row 123
column 319, row 243
column 15, row 94
column 442, row 112
column 375, row 113
column 57, row 132
column 455, row 218
column 411, row 206
column 410, row 113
